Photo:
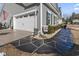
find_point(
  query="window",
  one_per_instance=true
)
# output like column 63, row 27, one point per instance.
column 25, row 15
column 48, row 18
column 51, row 19
column 20, row 16
column 32, row 14
column 17, row 17
column 54, row 20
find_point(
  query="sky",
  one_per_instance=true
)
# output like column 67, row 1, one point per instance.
column 68, row 8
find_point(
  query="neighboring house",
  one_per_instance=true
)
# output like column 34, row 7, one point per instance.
column 76, row 19
column 31, row 16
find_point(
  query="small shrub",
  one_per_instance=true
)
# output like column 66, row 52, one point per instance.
column 62, row 25
column 57, row 27
column 51, row 29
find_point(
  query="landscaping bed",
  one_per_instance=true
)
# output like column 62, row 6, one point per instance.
column 52, row 31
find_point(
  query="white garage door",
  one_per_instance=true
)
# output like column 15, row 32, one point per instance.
column 26, row 22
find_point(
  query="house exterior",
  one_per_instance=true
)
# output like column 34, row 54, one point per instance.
column 75, row 18
column 76, row 21
column 30, row 16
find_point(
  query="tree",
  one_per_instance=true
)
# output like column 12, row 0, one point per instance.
column 73, row 14
column 0, row 25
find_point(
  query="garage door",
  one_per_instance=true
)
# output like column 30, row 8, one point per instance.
column 26, row 22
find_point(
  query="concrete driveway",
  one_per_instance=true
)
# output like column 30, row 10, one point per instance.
column 7, row 36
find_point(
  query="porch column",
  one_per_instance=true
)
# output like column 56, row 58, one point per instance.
column 41, row 18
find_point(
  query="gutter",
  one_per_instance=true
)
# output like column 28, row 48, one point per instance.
column 53, row 9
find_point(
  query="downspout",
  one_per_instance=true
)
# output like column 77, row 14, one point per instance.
column 41, row 19
column 34, row 24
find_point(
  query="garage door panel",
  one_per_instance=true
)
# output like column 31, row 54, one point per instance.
column 18, row 24
column 29, row 24
column 25, row 23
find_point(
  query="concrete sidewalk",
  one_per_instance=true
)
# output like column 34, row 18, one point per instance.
column 7, row 36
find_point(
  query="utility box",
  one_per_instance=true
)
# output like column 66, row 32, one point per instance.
column 45, row 29
column 35, row 31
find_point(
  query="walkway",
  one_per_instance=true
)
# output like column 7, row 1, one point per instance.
column 62, row 43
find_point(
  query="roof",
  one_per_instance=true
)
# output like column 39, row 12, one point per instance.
column 27, row 5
